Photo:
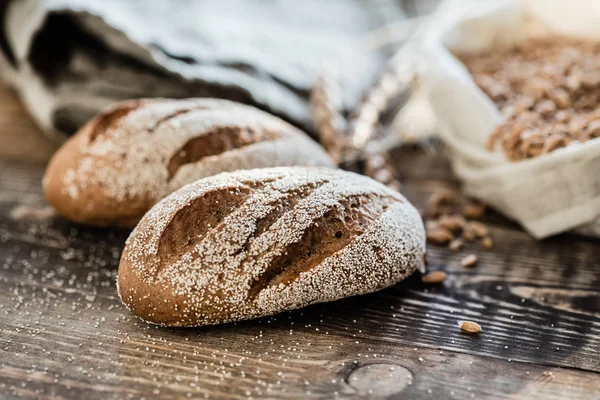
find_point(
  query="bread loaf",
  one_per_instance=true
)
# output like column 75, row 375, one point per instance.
column 253, row 243
column 133, row 154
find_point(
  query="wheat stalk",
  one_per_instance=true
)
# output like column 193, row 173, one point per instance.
column 348, row 139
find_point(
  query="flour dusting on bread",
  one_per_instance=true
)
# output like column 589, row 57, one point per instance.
column 135, row 153
column 280, row 238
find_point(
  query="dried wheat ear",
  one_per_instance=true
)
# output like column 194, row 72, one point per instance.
column 547, row 90
column 346, row 137
column 258, row 242
column 135, row 153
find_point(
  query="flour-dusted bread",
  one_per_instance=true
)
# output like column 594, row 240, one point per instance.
column 253, row 243
column 135, row 153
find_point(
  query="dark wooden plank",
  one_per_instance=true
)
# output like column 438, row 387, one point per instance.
column 65, row 334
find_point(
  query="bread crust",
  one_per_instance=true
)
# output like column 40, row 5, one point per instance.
column 136, row 152
column 253, row 243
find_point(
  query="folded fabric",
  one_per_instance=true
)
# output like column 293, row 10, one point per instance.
column 70, row 58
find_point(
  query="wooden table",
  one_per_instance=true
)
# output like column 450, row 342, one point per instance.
column 65, row 334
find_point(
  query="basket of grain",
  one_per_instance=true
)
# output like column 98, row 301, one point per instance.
column 515, row 87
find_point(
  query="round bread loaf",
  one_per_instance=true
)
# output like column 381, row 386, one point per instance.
column 136, row 152
column 253, row 243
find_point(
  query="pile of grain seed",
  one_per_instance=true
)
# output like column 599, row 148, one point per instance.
column 547, row 90
column 452, row 224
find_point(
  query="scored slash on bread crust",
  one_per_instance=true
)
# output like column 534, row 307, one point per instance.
column 136, row 152
column 253, row 243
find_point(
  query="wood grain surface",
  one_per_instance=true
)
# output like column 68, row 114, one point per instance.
column 65, row 335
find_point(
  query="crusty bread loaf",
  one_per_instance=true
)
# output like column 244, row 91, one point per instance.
column 135, row 153
column 252, row 243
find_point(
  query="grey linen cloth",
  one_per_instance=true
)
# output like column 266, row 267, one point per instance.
column 70, row 58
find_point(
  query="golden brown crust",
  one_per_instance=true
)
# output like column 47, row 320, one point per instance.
column 136, row 152
column 253, row 243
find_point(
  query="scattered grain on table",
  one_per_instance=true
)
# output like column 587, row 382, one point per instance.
column 434, row 277
column 469, row 261
column 469, row 326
